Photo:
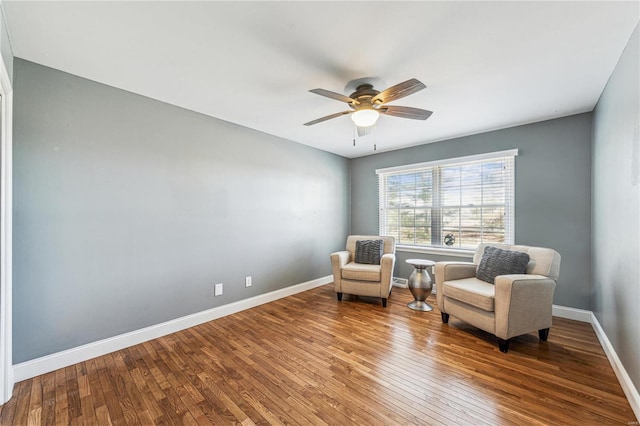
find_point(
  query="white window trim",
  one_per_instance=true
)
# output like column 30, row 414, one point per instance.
column 6, row 229
column 447, row 161
column 454, row 252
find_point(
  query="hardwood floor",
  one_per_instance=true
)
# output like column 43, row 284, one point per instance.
column 309, row 359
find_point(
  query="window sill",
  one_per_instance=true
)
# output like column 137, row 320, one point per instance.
column 468, row 254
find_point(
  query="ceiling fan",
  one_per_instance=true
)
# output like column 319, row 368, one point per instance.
column 367, row 104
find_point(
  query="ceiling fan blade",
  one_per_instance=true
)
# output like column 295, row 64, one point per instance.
column 364, row 131
column 332, row 95
column 399, row 91
column 406, row 112
column 328, row 117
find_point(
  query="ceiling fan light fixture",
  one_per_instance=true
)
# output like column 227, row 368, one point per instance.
column 365, row 117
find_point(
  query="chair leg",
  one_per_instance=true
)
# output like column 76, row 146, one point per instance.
column 384, row 302
column 543, row 334
column 503, row 345
column 445, row 317
column 339, row 297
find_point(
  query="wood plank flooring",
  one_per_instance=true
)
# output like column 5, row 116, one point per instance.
column 309, row 359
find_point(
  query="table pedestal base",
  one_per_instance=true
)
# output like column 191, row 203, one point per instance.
column 418, row 305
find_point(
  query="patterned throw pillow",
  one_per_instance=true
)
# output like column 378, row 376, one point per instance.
column 369, row 251
column 496, row 261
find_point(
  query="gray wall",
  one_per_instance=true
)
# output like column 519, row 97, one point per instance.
column 553, row 195
column 616, row 209
column 128, row 210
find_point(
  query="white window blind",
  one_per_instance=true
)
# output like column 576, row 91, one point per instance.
column 456, row 203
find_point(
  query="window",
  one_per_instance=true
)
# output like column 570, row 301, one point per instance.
column 456, row 203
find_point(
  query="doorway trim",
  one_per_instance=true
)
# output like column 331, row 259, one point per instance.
column 6, row 228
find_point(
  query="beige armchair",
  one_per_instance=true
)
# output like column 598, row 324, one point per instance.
column 516, row 304
column 364, row 279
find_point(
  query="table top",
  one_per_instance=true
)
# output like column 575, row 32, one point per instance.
column 420, row 262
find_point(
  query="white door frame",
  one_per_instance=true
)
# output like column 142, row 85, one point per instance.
column 6, row 228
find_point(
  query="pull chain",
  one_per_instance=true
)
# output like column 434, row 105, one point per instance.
column 375, row 138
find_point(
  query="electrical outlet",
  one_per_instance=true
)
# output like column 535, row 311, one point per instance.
column 247, row 281
column 217, row 290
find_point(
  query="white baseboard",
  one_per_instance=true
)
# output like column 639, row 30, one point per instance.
column 571, row 313
column 627, row 385
column 35, row 367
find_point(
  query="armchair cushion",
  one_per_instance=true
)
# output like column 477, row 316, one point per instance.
column 368, row 252
column 471, row 291
column 361, row 272
column 496, row 261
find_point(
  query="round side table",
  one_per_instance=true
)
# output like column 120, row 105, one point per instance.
column 420, row 284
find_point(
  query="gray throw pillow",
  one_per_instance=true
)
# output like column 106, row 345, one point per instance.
column 496, row 261
column 369, row 251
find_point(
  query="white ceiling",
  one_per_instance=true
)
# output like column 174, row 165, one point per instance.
column 487, row 65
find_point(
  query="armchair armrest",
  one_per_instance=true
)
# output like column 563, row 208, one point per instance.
column 387, row 262
column 523, row 303
column 446, row 271
column 338, row 260
column 342, row 257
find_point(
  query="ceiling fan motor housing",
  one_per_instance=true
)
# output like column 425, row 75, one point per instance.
column 363, row 95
